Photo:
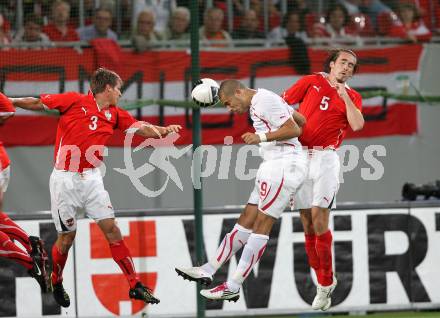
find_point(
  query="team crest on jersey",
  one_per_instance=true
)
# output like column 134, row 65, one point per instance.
column 108, row 115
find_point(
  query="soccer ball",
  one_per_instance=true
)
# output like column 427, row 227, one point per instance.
column 205, row 93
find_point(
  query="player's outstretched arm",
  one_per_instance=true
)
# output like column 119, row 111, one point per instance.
column 151, row 131
column 29, row 103
column 289, row 129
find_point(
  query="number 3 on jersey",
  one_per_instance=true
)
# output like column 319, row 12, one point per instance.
column 324, row 103
column 94, row 123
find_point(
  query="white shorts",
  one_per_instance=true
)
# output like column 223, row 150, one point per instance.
column 4, row 178
column 322, row 182
column 276, row 181
column 71, row 192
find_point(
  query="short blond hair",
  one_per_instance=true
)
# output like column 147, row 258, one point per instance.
column 229, row 86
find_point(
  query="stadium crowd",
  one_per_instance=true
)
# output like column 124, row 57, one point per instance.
column 148, row 22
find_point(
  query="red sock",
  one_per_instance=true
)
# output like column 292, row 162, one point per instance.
column 9, row 250
column 14, row 231
column 324, row 251
column 312, row 256
column 58, row 262
column 122, row 257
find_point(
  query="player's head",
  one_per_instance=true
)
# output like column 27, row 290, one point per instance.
column 108, row 83
column 233, row 94
column 3, row 119
column 341, row 64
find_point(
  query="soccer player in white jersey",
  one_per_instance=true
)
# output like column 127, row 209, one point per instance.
column 280, row 174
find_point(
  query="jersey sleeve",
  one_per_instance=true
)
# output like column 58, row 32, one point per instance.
column 61, row 102
column 357, row 101
column 297, row 91
column 274, row 110
column 125, row 121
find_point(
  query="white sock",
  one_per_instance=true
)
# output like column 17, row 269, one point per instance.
column 231, row 243
column 252, row 253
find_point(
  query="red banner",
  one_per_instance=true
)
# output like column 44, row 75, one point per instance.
column 30, row 68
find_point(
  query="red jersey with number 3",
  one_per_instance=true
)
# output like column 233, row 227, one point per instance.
column 83, row 129
column 324, row 110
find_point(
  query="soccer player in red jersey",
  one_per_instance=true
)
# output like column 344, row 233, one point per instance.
column 34, row 259
column 329, row 106
column 86, row 123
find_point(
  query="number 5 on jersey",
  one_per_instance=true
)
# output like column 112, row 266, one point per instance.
column 94, row 123
column 324, row 103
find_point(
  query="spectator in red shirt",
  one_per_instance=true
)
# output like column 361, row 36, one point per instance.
column 31, row 31
column 58, row 29
column 410, row 26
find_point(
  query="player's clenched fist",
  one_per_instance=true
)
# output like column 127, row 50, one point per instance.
column 342, row 91
column 250, row 138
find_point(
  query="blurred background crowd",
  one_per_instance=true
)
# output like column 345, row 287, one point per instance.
column 146, row 23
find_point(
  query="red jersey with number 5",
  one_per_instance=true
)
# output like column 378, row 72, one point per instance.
column 324, row 110
column 83, row 129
